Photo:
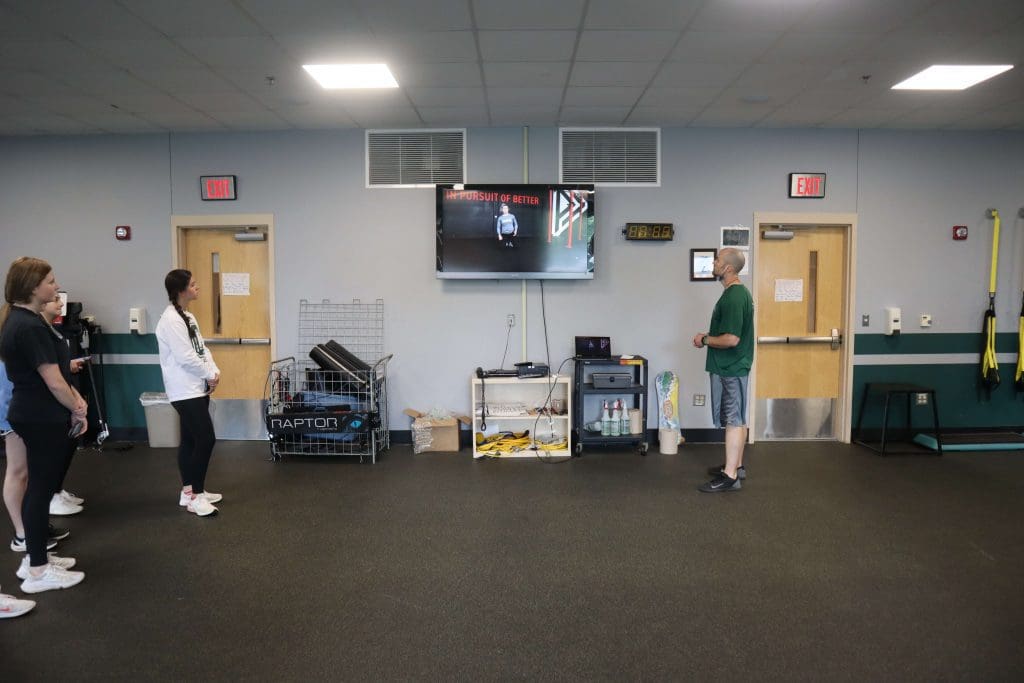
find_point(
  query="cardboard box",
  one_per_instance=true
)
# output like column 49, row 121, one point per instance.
column 430, row 434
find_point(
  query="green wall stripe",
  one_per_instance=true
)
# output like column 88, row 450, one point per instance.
column 962, row 404
column 129, row 343
column 124, row 384
column 942, row 342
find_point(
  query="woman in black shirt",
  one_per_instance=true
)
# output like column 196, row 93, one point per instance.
column 46, row 412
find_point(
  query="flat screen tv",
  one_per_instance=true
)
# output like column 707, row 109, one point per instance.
column 516, row 232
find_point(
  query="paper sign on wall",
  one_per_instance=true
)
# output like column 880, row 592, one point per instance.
column 789, row 290
column 737, row 237
column 235, row 284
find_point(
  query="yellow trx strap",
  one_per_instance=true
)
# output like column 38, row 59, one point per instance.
column 989, row 365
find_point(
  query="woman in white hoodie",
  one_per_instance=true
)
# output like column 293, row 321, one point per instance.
column 190, row 376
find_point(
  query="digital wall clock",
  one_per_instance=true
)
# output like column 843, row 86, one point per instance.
column 649, row 232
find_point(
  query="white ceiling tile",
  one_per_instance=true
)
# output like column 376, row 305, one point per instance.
column 86, row 19
column 501, row 98
column 137, row 104
column 798, row 117
column 695, row 75
column 596, row 116
column 446, row 97
column 194, row 18
column 729, row 47
column 819, row 48
column 58, row 56
column 429, row 46
column 967, row 15
column 1003, row 46
column 367, row 116
column 416, row 15
column 601, row 97
column 52, row 124
column 527, row 46
column 220, row 102
column 19, row 106
column 768, row 15
column 525, row 74
column 668, row 98
column 114, row 121
column 824, row 98
column 729, row 116
column 247, row 53
column 111, row 82
column 750, row 97
column 860, row 118
column 454, row 116
column 252, row 120
column 528, row 14
column 525, row 116
column 78, row 104
column 878, row 16
column 663, row 116
column 316, row 117
column 31, row 83
column 182, row 121
column 148, row 54
column 452, row 74
column 15, row 26
column 613, row 73
column 636, row 46
column 923, row 48
column 289, row 85
column 174, row 81
column 305, row 16
column 330, row 47
column 661, row 15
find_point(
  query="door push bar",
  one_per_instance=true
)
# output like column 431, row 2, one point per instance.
column 835, row 340
column 235, row 341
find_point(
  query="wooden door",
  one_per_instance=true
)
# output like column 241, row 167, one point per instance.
column 801, row 314
column 233, row 309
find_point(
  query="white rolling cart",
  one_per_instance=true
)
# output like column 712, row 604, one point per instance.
column 540, row 405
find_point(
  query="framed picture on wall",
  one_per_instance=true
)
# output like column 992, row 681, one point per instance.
column 702, row 264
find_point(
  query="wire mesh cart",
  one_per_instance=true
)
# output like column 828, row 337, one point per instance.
column 333, row 400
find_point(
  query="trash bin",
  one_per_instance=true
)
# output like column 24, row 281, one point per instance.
column 161, row 421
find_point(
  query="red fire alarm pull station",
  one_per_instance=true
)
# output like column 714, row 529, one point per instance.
column 123, row 232
column 959, row 232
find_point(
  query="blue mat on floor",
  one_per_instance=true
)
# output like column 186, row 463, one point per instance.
column 981, row 441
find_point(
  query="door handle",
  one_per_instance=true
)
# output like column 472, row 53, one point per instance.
column 235, row 341
column 835, row 340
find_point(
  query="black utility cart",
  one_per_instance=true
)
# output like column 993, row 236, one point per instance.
column 587, row 398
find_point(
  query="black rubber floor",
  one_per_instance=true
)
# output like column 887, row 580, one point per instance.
column 831, row 564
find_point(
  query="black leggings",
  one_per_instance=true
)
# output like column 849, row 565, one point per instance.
column 49, row 450
column 197, row 440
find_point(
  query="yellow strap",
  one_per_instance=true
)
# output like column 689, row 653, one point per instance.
column 995, row 251
column 1020, row 350
column 989, row 360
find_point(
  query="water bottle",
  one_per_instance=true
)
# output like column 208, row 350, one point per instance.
column 606, row 421
column 616, row 424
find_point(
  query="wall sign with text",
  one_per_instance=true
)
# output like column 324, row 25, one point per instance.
column 806, row 185
column 217, row 188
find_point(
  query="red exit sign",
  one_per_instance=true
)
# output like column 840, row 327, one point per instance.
column 216, row 188
column 807, row 185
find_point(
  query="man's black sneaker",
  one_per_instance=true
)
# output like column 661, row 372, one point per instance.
column 715, row 471
column 721, row 484
column 57, row 533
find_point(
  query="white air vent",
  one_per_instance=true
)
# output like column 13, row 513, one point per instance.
column 415, row 158
column 610, row 156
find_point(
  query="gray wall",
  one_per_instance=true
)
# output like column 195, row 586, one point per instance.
column 60, row 199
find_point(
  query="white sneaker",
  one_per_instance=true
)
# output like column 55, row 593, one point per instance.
column 62, row 562
column 185, row 498
column 60, row 507
column 71, row 498
column 11, row 606
column 52, row 578
column 201, row 506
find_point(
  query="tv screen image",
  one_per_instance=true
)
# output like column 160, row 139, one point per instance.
column 515, row 231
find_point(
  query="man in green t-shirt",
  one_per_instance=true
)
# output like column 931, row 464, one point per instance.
column 730, row 344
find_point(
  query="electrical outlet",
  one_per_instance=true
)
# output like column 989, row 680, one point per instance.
column 510, row 320
column 926, row 320
column 865, row 320
column 698, row 399
column 921, row 399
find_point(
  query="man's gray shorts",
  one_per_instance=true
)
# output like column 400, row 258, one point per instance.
column 729, row 401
